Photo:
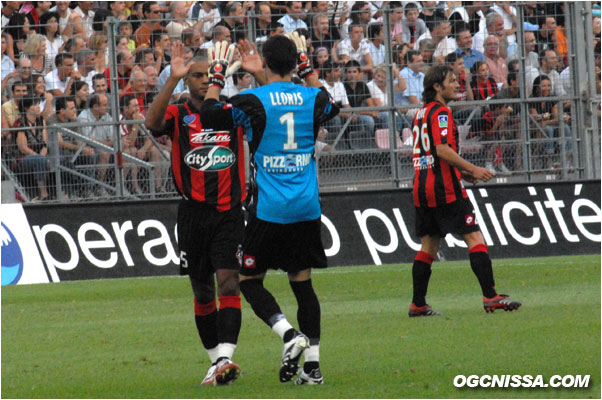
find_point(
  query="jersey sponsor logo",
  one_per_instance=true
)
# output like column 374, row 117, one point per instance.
column 444, row 132
column 469, row 219
column 286, row 164
column 210, row 158
column 424, row 162
column 249, row 262
column 442, row 121
column 189, row 119
column 209, row 136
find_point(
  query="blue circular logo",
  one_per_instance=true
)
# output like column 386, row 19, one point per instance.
column 12, row 257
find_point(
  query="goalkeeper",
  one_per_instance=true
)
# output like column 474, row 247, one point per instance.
column 281, row 121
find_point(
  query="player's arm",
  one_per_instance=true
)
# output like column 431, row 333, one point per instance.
column 304, row 68
column 155, row 117
column 469, row 171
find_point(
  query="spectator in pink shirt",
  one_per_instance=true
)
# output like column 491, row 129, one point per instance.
column 496, row 63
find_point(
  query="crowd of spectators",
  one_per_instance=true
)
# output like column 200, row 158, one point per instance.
column 56, row 68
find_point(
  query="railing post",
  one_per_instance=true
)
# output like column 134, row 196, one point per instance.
column 117, row 149
column 391, row 98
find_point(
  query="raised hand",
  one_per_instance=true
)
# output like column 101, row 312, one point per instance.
column 220, row 58
column 251, row 60
column 179, row 69
column 304, row 67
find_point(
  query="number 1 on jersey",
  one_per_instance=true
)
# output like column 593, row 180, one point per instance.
column 289, row 119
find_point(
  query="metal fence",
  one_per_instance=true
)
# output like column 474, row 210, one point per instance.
column 525, row 135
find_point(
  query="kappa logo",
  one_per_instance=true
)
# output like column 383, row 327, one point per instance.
column 470, row 220
column 249, row 261
column 442, row 121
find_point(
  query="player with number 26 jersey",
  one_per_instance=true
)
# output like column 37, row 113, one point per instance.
column 435, row 182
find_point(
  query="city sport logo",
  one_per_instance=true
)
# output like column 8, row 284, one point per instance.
column 12, row 257
column 442, row 121
column 210, row 158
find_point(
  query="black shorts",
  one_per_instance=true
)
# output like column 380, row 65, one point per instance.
column 208, row 240
column 457, row 217
column 289, row 247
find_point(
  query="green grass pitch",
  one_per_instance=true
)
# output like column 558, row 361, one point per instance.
column 136, row 338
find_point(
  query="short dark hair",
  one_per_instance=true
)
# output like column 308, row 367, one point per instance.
column 60, row 103
column 409, row 6
column 280, row 55
column 98, row 21
column 27, row 101
column 94, row 100
column 374, row 29
column 460, row 27
column 352, row 64
column 142, row 53
column 98, row 77
column 156, row 35
column 453, row 57
column 512, row 76
column 124, row 101
column 353, row 25
column 146, row 6
column 434, row 75
column 328, row 67
column 15, row 84
column 410, row 56
column 60, row 58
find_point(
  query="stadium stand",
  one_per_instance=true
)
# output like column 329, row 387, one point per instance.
column 494, row 45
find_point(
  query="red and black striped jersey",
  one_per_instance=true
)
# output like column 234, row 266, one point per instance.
column 207, row 163
column 435, row 181
column 482, row 91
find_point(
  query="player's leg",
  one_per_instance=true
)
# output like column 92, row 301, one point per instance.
column 225, row 255
column 421, row 274
column 205, row 318
column 308, row 316
column 481, row 266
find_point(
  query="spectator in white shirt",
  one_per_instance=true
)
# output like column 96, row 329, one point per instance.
column 49, row 27
column 494, row 25
column 508, row 13
column 179, row 22
column 205, row 15
column 548, row 65
column 59, row 80
column 444, row 44
column 378, row 92
column 356, row 48
column 376, row 37
column 331, row 79
column 84, row 9
column 220, row 33
column 292, row 20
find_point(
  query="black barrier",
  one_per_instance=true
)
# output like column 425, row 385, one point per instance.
column 112, row 240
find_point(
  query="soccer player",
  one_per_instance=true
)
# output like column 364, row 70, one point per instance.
column 210, row 219
column 281, row 121
column 442, row 205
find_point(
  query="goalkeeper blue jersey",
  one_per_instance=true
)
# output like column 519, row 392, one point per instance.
column 281, row 121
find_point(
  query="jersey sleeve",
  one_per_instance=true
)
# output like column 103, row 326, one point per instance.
column 441, row 126
column 171, row 118
column 325, row 108
column 249, row 112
